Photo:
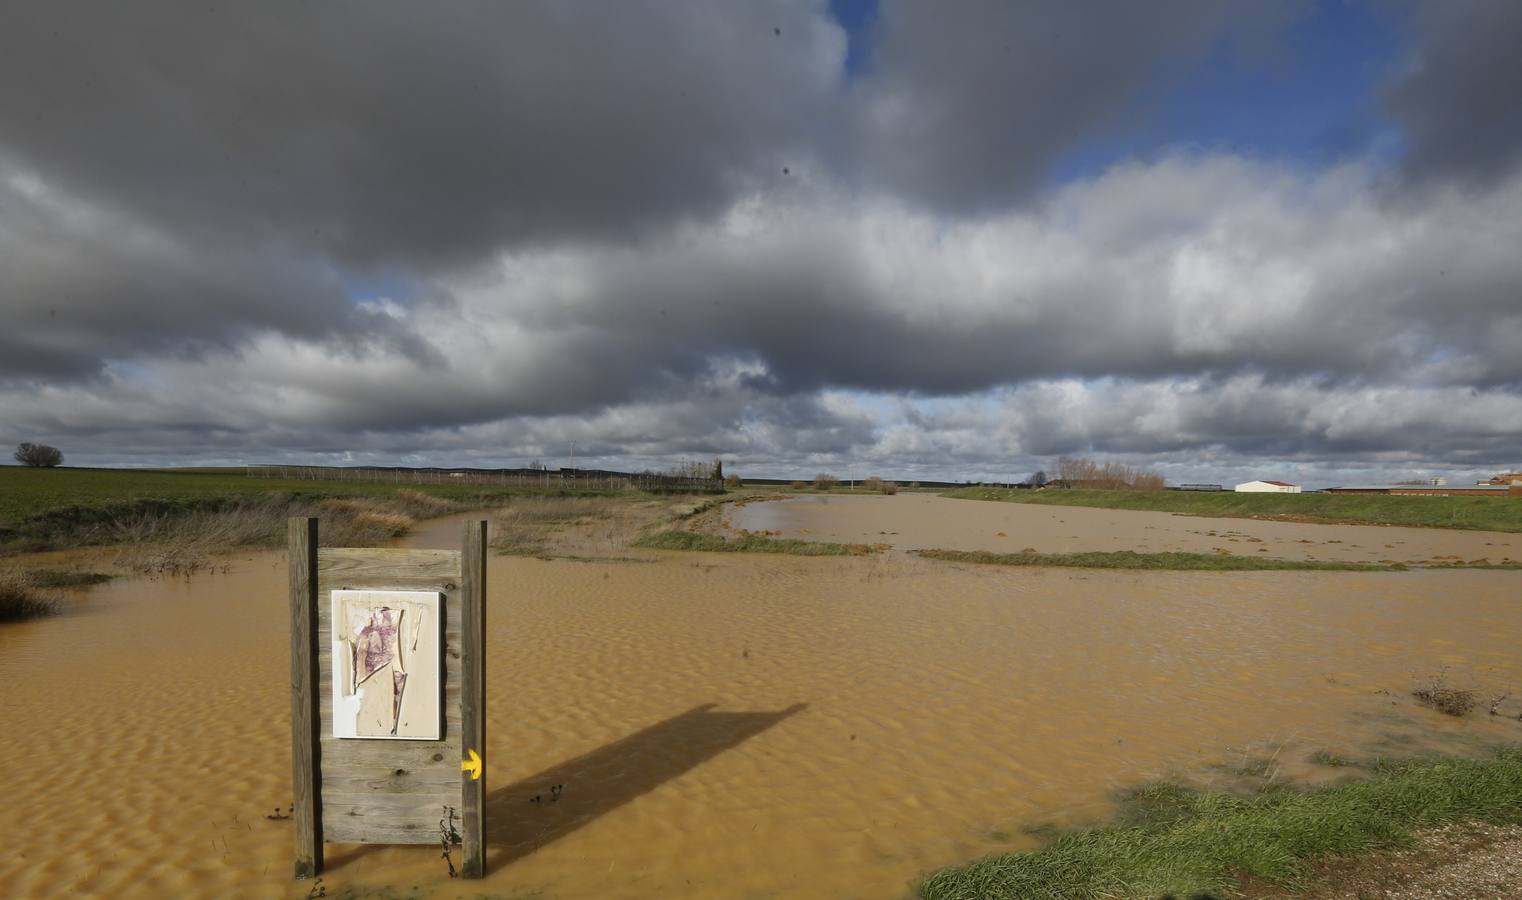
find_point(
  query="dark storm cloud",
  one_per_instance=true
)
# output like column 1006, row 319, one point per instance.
column 435, row 233
column 81, row 286
column 398, row 134
column 1461, row 102
column 973, row 101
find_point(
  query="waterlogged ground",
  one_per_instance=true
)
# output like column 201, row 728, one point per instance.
column 736, row 726
column 921, row 521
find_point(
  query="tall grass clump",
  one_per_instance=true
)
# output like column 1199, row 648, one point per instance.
column 526, row 525
column 21, row 598
column 1179, row 842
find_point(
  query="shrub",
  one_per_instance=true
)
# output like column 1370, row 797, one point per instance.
column 797, row 485
column 38, row 455
column 733, row 481
column 1111, row 476
column 824, row 482
column 20, row 598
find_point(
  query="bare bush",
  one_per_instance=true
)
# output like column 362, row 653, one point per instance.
column 1080, row 472
column 1438, row 695
column 733, row 481
column 39, row 456
column 877, row 484
column 798, row 485
column 824, row 482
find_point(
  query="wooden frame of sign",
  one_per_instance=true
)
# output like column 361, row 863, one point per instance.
column 391, row 791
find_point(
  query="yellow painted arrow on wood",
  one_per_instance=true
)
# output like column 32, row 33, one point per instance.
column 472, row 765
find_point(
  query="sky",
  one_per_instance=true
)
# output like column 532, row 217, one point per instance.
column 1221, row 240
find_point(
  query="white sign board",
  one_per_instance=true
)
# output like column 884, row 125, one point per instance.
column 386, row 663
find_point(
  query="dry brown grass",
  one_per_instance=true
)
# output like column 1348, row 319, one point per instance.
column 176, row 544
column 528, row 525
column 21, row 598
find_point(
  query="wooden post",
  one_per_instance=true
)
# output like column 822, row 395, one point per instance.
column 306, row 763
column 473, row 693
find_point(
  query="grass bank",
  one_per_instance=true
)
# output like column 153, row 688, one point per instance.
column 1170, row 840
column 677, row 539
column 696, row 529
column 1130, row 559
column 1471, row 513
column 51, row 508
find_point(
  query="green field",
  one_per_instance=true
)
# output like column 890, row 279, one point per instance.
column 43, row 508
column 1171, row 841
column 25, row 493
column 1474, row 513
column 1130, row 559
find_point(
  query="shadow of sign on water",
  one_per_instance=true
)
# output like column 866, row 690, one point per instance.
column 542, row 808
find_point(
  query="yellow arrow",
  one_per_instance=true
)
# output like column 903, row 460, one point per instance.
column 472, row 765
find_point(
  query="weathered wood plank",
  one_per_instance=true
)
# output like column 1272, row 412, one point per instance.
column 363, row 797
column 372, row 567
column 306, row 752
column 473, row 698
column 418, row 756
column 423, row 809
column 361, row 782
column 369, row 831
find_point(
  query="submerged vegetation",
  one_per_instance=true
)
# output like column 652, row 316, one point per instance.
column 1171, row 840
column 526, row 526
column 1474, row 513
column 1130, row 559
column 677, row 539
column 22, row 597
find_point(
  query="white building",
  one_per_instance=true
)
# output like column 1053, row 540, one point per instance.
column 1268, row 487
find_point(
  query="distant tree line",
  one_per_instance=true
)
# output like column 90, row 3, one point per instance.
column 1078, row 471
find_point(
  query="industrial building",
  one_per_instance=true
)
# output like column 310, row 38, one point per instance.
column 1268, row 487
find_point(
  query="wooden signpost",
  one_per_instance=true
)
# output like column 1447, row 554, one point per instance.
column 383, row 786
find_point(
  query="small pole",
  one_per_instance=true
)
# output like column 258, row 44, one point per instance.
column 473, row 694
column 306, row 759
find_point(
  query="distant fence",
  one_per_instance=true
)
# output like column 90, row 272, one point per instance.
column 542, row 479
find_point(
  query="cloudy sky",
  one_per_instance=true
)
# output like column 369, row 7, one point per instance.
column 952, row 240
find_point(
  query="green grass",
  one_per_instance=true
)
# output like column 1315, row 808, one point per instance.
column 1173, row 840
column 1474, row 513
column 677, row 539
column 1130, row 559
column 37, row 506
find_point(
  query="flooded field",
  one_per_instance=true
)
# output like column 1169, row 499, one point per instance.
column 737, row 726
column 922, row 521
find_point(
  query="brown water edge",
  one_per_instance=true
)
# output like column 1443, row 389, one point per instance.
column 732, row 726
column 923, row 521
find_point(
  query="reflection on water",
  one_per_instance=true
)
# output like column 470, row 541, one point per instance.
column 733, row 726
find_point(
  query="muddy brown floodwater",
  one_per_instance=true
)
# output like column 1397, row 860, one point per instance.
column 921, row 521
column 733, row 726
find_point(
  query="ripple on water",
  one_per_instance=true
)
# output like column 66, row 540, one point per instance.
column 751, row 727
